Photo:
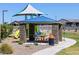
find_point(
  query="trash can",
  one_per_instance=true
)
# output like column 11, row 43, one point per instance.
column 51, row 41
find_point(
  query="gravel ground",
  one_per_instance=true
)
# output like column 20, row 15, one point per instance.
column 28, row 49
column 25, row 49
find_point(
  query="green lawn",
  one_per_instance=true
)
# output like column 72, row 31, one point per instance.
column 73, row 50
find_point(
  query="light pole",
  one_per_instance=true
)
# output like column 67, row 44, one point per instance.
column 3, row 11
column 0, row 33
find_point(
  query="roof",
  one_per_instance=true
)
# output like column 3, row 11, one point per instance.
column 15, row 22
column 63, row 21
column 73, row 20
column 68, row 20
column 29, row 9
column 39, row 19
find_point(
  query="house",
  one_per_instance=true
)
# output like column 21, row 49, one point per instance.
column 70, row 24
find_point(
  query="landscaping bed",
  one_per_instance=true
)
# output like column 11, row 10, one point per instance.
column 6, row 30
column 23, row 49
column 28, row 49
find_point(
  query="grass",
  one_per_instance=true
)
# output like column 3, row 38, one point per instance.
column 73, row 50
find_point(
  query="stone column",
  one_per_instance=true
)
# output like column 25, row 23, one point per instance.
column 60, row 32
column 22, row 33
column 27, row 30
column 55, row 31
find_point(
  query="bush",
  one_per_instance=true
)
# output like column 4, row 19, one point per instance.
column 0, row 50
column 20, row 42
column 6, row 30
column 35, row 43
column 6, row 49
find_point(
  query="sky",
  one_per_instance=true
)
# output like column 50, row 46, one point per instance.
column 54, row 11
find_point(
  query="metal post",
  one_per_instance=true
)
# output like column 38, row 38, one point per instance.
column 3, row 17
column 3, row 11
column 0, row 33
column 2, row 20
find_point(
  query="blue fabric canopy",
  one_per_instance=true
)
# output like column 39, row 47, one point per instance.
column 40, row 19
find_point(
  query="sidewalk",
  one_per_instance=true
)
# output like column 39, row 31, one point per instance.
column 54, row 49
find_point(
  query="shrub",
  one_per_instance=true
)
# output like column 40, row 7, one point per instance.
column 6, row 30
column 20, row 42
column 0, row 50
column 6, row 49
column 35, row 43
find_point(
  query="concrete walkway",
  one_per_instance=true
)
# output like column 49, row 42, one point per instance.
column 54, row 49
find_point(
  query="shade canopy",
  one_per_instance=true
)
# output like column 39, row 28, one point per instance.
column 39, row 19
column 29, row 10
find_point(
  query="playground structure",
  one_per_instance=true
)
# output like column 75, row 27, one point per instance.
column 37, row 24
column 16, row 32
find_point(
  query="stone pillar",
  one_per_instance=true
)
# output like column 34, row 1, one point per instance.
column 22, row 33
column 27, row 30
column 55, row 31
column 60, row 32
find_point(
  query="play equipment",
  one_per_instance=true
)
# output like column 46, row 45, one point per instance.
column 36, row 28
column 17, row 33
column 37, row 32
